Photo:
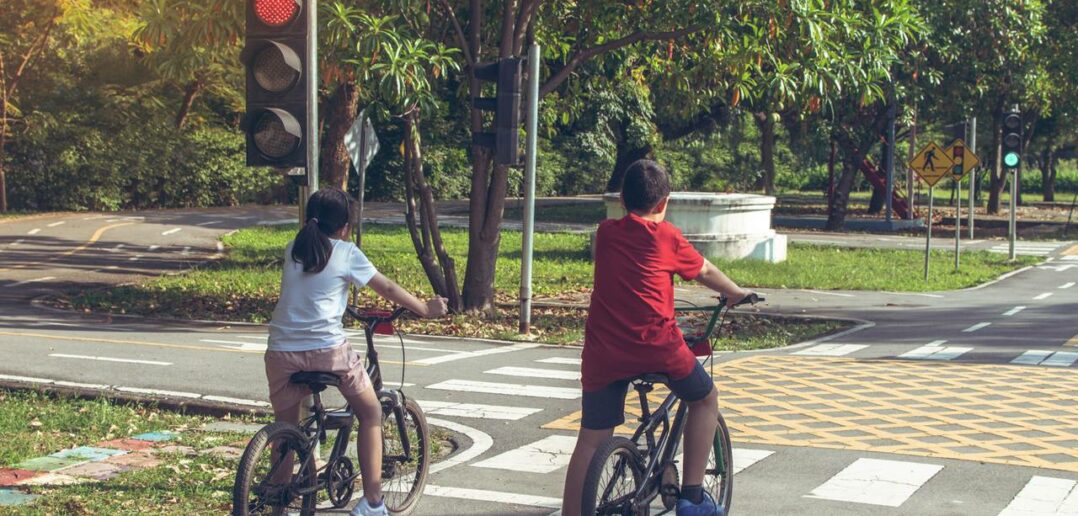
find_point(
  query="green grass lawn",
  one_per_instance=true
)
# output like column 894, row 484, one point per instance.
column 244, row 286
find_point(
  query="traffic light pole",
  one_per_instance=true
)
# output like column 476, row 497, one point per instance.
column 531, row 126
column 971, row 140
column 1013, row 226
column 928, row 234
column 311, row 77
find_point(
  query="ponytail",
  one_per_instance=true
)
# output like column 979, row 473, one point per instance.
column 327, row 212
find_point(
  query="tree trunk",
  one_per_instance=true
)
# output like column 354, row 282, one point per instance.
column 1048, row 173
column 341, row 109
column 996, row 180
column 831, row 176
column 3, row 155
column 878, row 201
column 190, row 92
column 836, row 217
column 626, row 155
column 766, row 124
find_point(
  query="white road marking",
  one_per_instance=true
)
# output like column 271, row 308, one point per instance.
column 111, row 359
column 97, row 386
column 27, row 379
column 1043, row 296
column 976, row 327
column 242, row 346
column 876, row 482
column 238, row 401
column 115, row 249
column 745, row 457
column 934, row 296
column 1067, row 285
column 159, row 392
column 17, row 242
column 935, row 351
column 210, row 223
column 1014, row 310
column 831, row 350
column 1070, row 258
column 1061, row 359
column 473, row 354
column 186, row 250
column 475, row 410
column 509, row 389
column 1032, row 357
column 1045, row 496
column 481, row 442
column 531, row 372
column 34, row 231
column 134, row 258
column 839, row 294
column 560, row 360
column 171, row 231
column 280, row 222
column 153, row 248
column 54, row 224
column 543, row 456
column 483, row 495
column 1058, row 268
column 35, row 280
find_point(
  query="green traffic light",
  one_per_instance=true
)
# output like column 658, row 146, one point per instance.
column 1011, row 159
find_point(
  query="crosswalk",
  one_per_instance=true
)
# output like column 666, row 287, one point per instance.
column 939, row 351
column 1026, row 248
column 539, row 462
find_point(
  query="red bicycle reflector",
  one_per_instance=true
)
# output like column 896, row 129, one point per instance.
column 382, row 328
column 700, row 346
column 276, row 13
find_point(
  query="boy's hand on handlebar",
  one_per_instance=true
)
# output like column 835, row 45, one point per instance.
column 436, row 307
column 735, row 298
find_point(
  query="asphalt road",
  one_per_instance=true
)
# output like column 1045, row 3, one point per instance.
column 938, row 403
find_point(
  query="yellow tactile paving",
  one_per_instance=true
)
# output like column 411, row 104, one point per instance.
column 1071, row 251
column 992, row 413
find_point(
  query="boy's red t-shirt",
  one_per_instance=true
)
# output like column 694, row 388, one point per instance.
column 631, row 327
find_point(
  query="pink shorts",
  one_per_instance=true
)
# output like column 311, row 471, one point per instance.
column 340, row 360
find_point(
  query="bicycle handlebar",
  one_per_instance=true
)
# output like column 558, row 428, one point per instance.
column 750, row 299
column 371, row 320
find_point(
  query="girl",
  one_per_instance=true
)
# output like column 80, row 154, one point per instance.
column 306, row 333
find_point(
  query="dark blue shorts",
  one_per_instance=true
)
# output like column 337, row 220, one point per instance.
column 605, row 408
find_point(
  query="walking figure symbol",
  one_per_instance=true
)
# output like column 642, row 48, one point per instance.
column 930, row 160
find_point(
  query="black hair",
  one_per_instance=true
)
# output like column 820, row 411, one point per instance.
column 644, row 186
column 328, row 211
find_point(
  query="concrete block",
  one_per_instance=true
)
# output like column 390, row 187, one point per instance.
column 48, row 463
column 129, row 445
column 11, row 497
column 227, row 452
column 182, row 450
column 156, row 437
column 95, row 470
column 87, row 453
column 10, row 477
column 54, row 479
column 231, row 427
column 136, row 460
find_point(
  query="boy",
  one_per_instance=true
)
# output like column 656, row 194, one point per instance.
column 631, row 330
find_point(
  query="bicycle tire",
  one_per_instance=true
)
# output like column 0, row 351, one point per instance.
column 402, row 484
column 719, row 482
column 249, row 471
column 623, row 457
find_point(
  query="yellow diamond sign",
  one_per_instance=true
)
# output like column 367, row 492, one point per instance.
column 932, row 164
column 963, row 159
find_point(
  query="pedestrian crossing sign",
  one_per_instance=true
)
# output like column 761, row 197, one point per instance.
column 932, row 164
column 963, row 158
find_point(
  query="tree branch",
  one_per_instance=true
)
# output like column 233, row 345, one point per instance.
column 35, row 48
column 527, row 12
column 461, row 39
column 506, row 48
column 588, row 53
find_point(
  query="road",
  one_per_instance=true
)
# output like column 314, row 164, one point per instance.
column 937, row 403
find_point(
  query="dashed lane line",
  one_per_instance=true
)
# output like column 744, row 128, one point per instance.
column 60, row 223
column 209, row 223
column 1013, row 311
column 976, row 327
column 111, row 359
column 560, row 360
column 35, row 280
column 473, row 354
column 1045, row 295
column 1067, row 285
column 171, row 231
column 34, row 231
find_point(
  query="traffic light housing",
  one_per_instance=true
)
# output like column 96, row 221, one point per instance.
column 1012, row 139
column 505, row 140
column 274, row 58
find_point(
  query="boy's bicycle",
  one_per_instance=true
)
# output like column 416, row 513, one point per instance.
column 626, row 475
column 279, row 472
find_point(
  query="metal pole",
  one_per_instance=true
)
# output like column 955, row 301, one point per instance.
column 311, row 79
column 971, row 142
column 531, row 126
column 1013, row 226
column 361, row 170
column 957, row 222
column 928, row 234
column 909, row 171
column 890, row 158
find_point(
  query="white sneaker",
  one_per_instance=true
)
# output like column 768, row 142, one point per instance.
column 363, row 508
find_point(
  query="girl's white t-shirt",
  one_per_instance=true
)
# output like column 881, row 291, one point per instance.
column 308, row 314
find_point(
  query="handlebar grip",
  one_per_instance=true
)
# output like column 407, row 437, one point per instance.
column 750, row 299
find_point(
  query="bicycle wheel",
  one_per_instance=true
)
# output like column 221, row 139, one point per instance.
column 403, row 478
column 719, row 475
column 614, row 475
column 271, row 472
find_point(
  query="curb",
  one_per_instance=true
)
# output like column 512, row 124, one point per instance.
column 196, row 406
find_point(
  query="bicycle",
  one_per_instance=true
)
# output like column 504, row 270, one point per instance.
column 626, row 474
column 263, row 487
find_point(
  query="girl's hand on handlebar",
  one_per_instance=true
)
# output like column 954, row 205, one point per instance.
column 436, row 307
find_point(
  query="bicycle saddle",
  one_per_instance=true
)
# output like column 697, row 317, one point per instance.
column 652, row 378
column 317, row 381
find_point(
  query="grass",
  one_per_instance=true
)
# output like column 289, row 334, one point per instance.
column 244, row 287
column 36, row 424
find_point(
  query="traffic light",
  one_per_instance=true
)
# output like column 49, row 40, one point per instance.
column 1012, row 139
column 274, row 54
column 505, row 140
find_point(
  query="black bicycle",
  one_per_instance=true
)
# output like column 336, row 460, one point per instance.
column 280, row 473
column 626, row 475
